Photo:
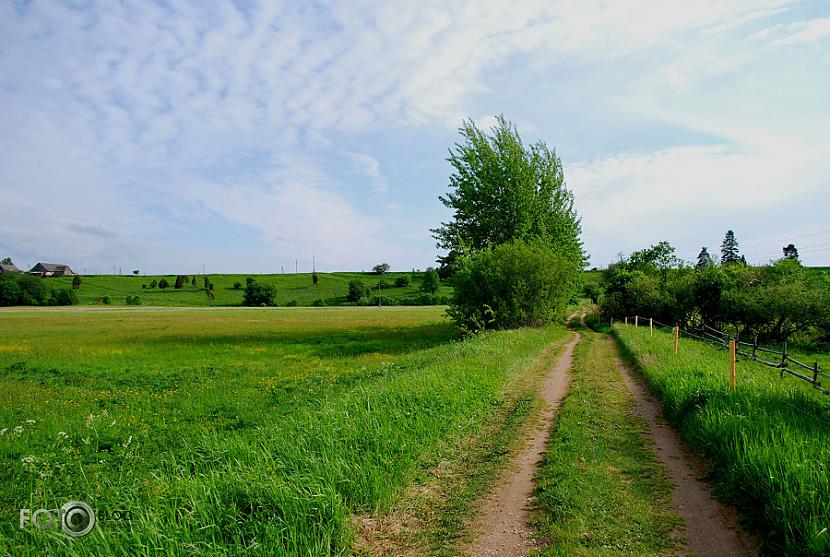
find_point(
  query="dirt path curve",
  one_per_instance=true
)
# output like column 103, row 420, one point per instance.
column 502, row 529
column 711, row 528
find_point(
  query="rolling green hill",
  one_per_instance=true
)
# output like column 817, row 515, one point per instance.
column 331, row 288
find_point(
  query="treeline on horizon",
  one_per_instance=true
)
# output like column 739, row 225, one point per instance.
column 778, row 301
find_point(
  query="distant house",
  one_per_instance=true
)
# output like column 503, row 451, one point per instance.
column 8, row 268
column 51, row 270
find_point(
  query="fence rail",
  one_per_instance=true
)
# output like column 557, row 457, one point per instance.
column 785, row 362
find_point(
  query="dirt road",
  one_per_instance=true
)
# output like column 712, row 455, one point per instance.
column 503, row 529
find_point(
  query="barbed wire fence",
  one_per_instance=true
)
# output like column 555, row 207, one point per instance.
column 783, row 361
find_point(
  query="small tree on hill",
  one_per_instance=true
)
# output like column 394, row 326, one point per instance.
column 356, row 291
column 315, row 279
column 431, row 281
column 76, row 282
column 135, row 272
column 154, row 283
column 703, row 259
column 181, row 280
column 257, row 294
column 7, row 261
column 729, row 252
column 791, row 252
column 207, row 282
column 193, row 282
column 380, row 268
column 163, row 283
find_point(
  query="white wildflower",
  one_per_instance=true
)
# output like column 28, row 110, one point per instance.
column 44, row 475
column 3, row 431
column 63, row 435
column 113, row 423
column 90, row 419
column 86, row 440
column 18, row 430
column 67, row 450
column 30, row 422
column 28, row 459
column 129, row 440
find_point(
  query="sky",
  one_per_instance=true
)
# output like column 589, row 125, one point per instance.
column 257, row 137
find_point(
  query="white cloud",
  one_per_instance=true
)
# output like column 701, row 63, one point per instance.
column 802, row 32
column 221, row 113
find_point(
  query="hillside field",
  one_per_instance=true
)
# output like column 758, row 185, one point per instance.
column 332, row 288
column 263, row 429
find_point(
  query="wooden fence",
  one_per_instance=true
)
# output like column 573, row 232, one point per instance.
column 782, row 360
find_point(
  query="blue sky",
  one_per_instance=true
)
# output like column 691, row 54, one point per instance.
column 245, row 136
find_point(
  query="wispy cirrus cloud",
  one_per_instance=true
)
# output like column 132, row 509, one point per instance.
column 272, row 128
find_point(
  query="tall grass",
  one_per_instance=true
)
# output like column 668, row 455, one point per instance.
column 232, row 436
column 768, row 442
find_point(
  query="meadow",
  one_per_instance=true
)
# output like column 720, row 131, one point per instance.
column 262, row 431
column 768, row 442
column 331, row 288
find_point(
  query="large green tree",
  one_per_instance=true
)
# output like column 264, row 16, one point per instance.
column 501, row 190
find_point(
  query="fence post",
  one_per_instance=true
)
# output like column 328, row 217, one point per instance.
column 755, row 348
column 636, row 320
column 612, row 321
column 626, row 320
column 815, row 374
column 732, row 351
column 783, row 358
column 651, row 326
column 676, row 337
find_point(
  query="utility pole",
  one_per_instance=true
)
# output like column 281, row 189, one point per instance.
column 313, row 264
column 296, row 267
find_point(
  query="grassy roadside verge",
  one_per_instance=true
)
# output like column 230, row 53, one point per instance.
column 768, row 443
column 600, row 490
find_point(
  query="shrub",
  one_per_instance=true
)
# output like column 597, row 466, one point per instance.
column 403, row 281
column 181, row 280
column 515, row 284
column 63, row 297
column 163, row 283
column 356, row 291
column 249, row 281
column 154, row 283
column 143, row 286
column 380, row 268
column 315, row 279
column 193, row 281
column 237, row 285
column 19, row 289
column 133, row 301
column 431, row 281
column 319, row 303
column 105, row 300
column 292, row 304
column 257, row 294
column 76, row 282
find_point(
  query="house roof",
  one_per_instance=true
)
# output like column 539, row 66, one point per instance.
column 51, row 267
column 8, row 268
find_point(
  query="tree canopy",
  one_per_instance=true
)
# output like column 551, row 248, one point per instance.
column 501, row 190
column 729, row 252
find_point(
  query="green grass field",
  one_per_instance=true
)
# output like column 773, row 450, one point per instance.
column 768, row 443
column 236, row 430
column 332, row 288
